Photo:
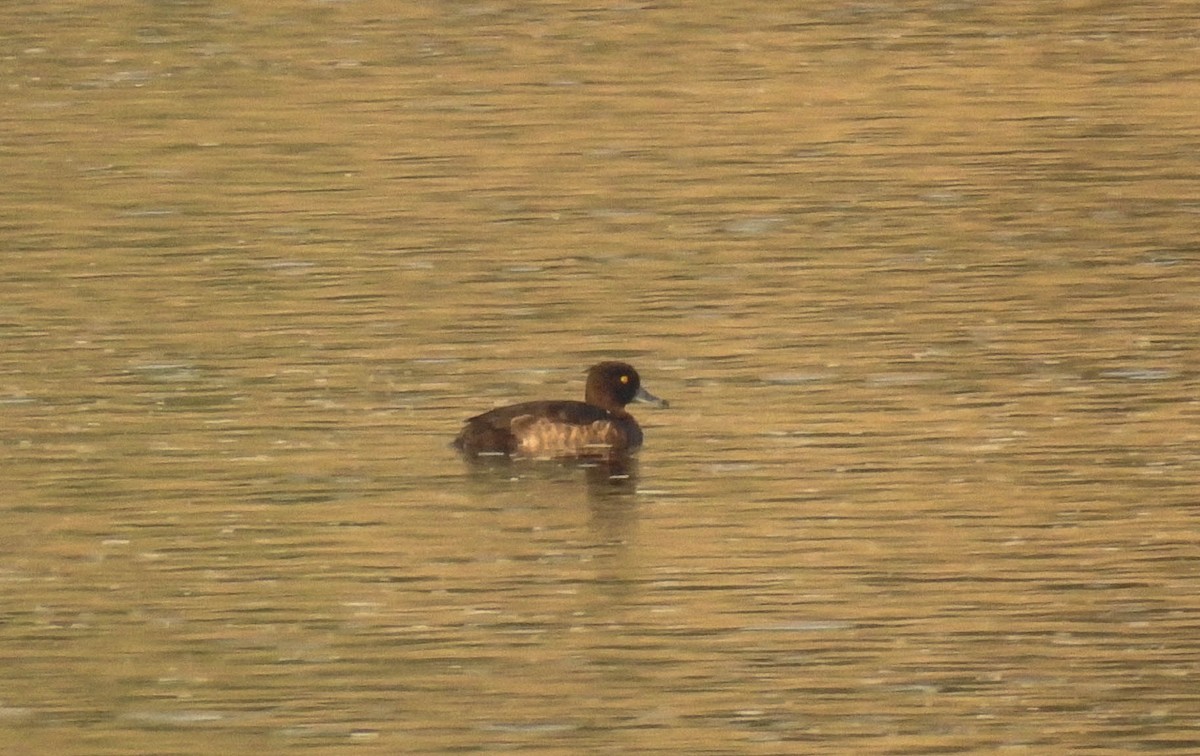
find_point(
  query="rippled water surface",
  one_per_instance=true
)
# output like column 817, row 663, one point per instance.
column 921, row 281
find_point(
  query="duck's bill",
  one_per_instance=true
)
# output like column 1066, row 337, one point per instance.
column 646, row 397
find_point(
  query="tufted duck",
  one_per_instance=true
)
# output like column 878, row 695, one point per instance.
column 596, row 428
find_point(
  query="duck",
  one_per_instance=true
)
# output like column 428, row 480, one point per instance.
column 598, row 428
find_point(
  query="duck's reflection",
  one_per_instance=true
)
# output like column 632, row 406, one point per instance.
column 610, row 486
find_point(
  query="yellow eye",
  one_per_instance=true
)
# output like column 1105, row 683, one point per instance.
column 624, row 379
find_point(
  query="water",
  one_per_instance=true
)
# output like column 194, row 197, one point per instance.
column 920, row 282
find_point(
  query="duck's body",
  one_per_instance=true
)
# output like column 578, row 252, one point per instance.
column 598, row 427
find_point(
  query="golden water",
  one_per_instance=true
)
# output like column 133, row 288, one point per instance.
column 920, row 280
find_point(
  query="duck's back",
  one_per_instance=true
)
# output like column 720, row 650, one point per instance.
column 560, row 428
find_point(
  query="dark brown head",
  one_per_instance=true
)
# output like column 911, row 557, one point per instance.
column 612, row 385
